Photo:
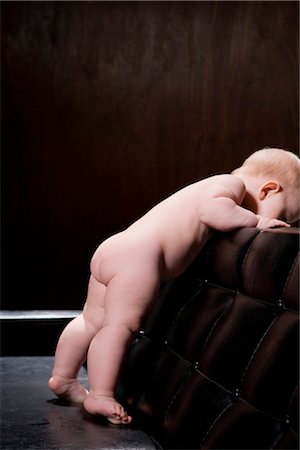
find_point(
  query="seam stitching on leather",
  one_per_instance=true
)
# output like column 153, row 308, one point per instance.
column 214, row 422
column 289, row 275
column 256, row 349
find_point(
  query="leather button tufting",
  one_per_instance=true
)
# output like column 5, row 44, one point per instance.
column 139, row 336
column 280, row 306
column 285, row 423
column 236, row 393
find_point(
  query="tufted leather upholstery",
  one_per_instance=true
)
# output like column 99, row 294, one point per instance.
column 216, row 364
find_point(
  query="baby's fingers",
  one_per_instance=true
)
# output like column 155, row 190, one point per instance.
column 266, row 222
column 278, row 223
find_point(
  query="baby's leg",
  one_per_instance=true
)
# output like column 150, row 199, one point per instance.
column 128, row 297
column 73, row 344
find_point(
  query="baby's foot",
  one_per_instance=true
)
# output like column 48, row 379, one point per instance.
column 68, row 388
column 108, row 407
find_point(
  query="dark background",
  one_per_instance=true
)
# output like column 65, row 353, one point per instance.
column 107, row 107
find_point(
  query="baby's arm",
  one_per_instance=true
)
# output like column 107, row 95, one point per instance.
column 221, row 208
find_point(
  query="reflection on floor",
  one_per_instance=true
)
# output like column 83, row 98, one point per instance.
column 32, row 418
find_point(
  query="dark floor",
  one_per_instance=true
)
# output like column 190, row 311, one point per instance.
column 32, row 418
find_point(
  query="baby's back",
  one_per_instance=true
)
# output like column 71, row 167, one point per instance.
column 173, row 227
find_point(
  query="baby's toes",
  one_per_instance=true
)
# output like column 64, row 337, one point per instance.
column 118, row 411
column 124, row 416
column 115, row 421
column 126, row 419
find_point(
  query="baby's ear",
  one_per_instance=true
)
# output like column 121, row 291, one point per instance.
column 268, row 188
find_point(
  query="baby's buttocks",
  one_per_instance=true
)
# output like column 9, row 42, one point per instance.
column 124, row 252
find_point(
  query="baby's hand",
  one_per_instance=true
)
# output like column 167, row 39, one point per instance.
column 266, row 222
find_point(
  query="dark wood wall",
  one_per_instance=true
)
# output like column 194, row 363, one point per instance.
column 107, row 107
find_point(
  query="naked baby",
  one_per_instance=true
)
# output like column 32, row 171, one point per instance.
column 127, row 268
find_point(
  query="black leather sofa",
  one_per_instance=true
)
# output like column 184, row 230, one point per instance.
column 216, row 365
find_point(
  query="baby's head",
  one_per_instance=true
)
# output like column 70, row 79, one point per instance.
column 276, row 171
column 273, row 163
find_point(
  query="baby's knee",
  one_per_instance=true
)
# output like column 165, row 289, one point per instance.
column 131, row 323
column 134, row 326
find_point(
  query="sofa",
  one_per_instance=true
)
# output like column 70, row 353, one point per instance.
column 216, row 364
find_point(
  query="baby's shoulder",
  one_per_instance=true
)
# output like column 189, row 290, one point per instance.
column 225, row 179
column 226, row 184
column 231, row 180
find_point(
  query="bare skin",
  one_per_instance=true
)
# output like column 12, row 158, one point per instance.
column 126, row 271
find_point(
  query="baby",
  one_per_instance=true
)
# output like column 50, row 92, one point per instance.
column 127, row 268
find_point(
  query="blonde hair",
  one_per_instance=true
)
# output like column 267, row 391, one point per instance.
column 274, row 163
